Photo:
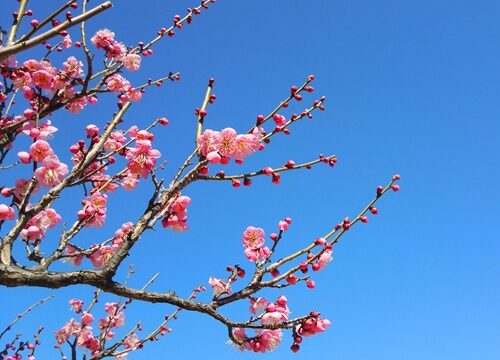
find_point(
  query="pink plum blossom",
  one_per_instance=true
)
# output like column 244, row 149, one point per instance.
column 73, row 67
column 219, row 286
column 76, row 305
column 264, row 340
column 43, row 79
column 76, row 259
column 312, row 326
column 142, row 158
column 258, row 305
column 94, row 210
column 44, row 131
column 282, row 225
column 115, row 141
column 132, row 341
column 132, row 62
column 227, row 144
column 116, row 51
column 87, row 318
column 253, row 237
column 130, row 182
column 324, row 259
column 103, row 39
column 39, row 150
column 66, row 42
column 257, row 254
column 52, row 172
column 36, row 227
column 102, row 255
column 209, row 141
column 245, row 145
column 77, row 105
column 117, row 83
column 177, row 218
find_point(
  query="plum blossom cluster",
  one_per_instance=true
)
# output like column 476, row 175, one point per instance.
column 116, row 51
column 266, row 339
column 83, row 334
column 176, row 214
column 48, row 88
column 35, row 228
column 253, row 242
column 93, row 212
column 311, row 325
column 34, row 77
column 262, row 341
column 100, row 338
column 275, row 314
column 219, row 287
column 99, row 254
column 103, row 254
column 142, row 157
column 220, row 146
column 52, row 171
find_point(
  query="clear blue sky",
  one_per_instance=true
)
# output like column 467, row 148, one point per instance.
column 412, row 87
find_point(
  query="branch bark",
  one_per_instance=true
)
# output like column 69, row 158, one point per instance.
column 24, row 45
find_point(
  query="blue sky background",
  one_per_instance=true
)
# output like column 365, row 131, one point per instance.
column 412, row 87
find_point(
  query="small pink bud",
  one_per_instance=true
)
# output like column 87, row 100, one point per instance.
column 363, row 219
column 267, row 171
column 224, row 160
column 92, row 130
column 395, row 188
column 33, row 231
column 163, row 121
column 87, row 318
column 320, row 241
column 282, row 300
column 6, row 192
column 24, row 157
column 6, row 212
column 203, row 170
column 310, row 284
column 271, row 307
